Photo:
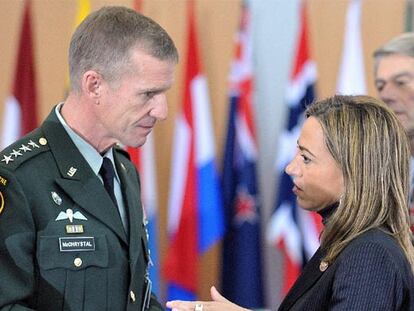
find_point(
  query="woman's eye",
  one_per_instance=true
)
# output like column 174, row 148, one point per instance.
column 305, row 159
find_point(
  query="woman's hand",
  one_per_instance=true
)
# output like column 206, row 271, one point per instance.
column 218, row 303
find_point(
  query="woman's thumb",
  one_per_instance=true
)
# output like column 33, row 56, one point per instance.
column 216, row 296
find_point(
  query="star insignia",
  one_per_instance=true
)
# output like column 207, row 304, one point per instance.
column 7, row 159
column 33, row 144
column 16, row 153
column 245, row 205
column 25, row 148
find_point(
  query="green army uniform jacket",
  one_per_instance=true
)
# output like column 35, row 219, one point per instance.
column 62, row 242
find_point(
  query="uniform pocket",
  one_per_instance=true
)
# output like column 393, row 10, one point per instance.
column 78, row 253
column 70, row 263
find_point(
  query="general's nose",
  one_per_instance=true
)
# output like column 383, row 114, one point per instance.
column 160, row 108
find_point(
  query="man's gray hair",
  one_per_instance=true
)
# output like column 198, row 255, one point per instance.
column 402, row 44
column 103, row 42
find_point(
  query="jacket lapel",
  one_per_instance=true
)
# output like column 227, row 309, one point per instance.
column 310, row 274
column 132, row 200
column 77, row 178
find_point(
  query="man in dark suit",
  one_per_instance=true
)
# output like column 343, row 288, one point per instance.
column 72, row 229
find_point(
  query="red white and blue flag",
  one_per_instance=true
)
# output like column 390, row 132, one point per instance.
column 291, row 228
column 241, row 270
column 195, row 220
column 20, row 113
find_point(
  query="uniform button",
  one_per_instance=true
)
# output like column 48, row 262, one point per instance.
column 77, row 262
column 43, row 141
column 132, row 295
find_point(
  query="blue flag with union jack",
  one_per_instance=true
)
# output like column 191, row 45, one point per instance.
column 241, row 275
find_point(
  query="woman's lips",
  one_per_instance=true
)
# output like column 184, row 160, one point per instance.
column 296, row 189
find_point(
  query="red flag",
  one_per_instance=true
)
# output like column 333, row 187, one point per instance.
column 195, row 215
column 20, row 115
column 138, row 5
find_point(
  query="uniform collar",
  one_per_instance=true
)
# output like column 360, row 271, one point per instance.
column 91, row 155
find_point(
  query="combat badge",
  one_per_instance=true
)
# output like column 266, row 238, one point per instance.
column 56, row 198
column 1, row 202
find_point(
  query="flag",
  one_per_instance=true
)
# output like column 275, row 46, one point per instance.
column 137, row 5
column 144, row 161
column 351, row 77
column 84, row 8
column 294, row 230
column 241, row 270
column 195, row 212
column 20, row 114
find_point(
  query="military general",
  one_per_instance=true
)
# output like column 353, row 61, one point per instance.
column 72, row 229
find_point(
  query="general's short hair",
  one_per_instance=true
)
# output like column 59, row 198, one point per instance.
column 103, row 41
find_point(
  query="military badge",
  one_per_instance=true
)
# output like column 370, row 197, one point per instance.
column 56, row 198
column 1, row 202
column 3, row 181
column 70, row 215
column 71, row 171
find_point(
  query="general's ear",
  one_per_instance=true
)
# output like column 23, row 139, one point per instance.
column 91, row 84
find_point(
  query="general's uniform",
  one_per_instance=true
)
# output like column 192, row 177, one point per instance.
column 62, row 243
column 371, row 273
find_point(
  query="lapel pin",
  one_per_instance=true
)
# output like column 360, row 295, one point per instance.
column 323, row 266
column 56, row 198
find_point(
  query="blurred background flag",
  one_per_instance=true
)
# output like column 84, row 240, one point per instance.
column 195, row 220
column 84, row 8
column 20, row 112
column 242, row 261
column 351, row 75
column 294, row 230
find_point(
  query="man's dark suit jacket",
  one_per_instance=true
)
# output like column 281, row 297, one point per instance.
column 46, row 261
column 371, row 273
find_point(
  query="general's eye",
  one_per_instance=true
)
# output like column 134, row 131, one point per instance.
column 149, row 95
